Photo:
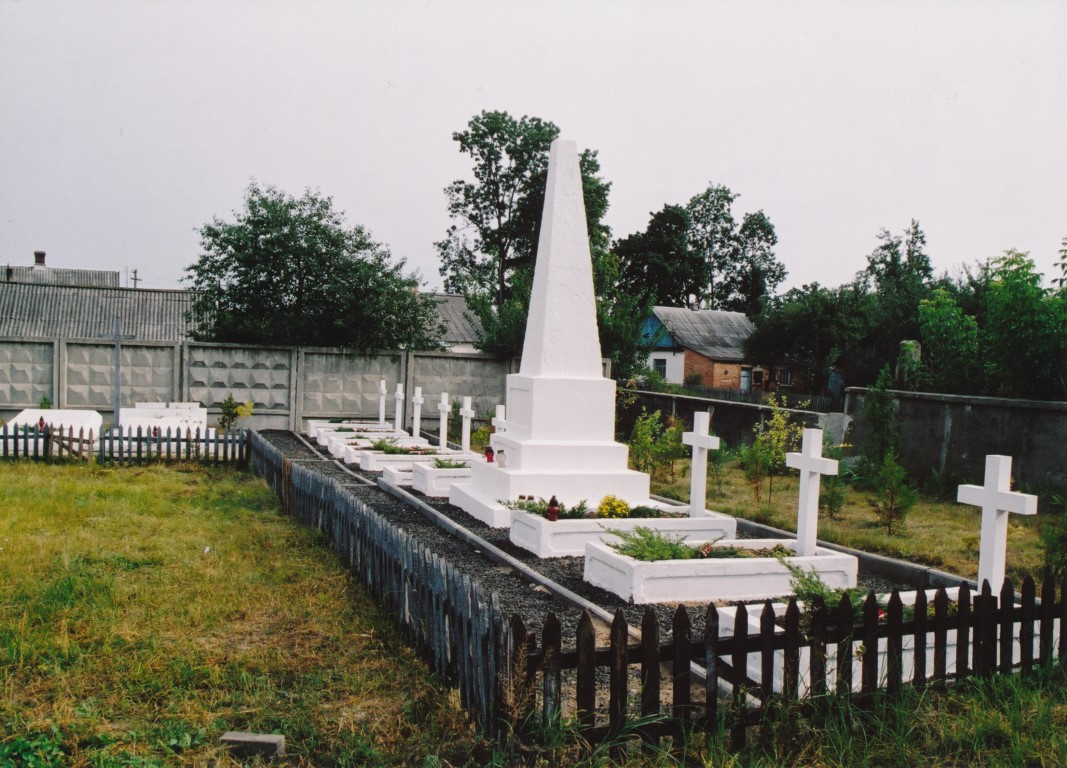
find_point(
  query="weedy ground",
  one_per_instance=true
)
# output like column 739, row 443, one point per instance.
column 145, row 611
column 937, row 531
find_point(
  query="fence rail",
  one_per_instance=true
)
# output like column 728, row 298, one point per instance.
column 125, row 446
column 805, row 402
column 508, row 680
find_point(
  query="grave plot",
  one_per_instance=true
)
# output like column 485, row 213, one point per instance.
column 77, row 430
column 705, row 575
column 568, row 537
column 435, row 480
column 559, row 434
column 157, row 418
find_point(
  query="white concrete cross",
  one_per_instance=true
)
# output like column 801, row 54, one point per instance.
column 702, row 442
column 416, row 413
column 467, row 413
column 500, row 420
column 398, row 416
column 381, row 401
column 811, row 464
column 996, row 500
column 444, row 408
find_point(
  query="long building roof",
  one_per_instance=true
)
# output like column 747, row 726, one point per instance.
column 42, row 275
column 36, row 310
column 41, row 310
column 714, row 333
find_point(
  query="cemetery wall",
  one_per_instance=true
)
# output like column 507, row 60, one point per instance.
column 287, row 384
column 953, row 433
column 732, row 421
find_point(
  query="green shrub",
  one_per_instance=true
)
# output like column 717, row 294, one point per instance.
column 1054, row 538
column 648, row 545
column 449, row 464
column 894, row 496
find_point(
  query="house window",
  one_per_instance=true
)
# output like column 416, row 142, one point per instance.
column 659, row 365
column 757, row 378
column 785, row 378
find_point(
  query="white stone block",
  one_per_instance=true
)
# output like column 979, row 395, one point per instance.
column 567, row 538
column 436, row 481
column 706, row 580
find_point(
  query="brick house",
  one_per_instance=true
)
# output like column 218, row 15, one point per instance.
column 706, row 347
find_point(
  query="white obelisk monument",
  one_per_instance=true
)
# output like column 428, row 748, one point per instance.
column 560, row 437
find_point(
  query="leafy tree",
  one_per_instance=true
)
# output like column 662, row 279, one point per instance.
column 901, row 275
column 488, row 254
column 658, row 265
column 950, row 347
column 739, row 262
column 810, row 327
column 1025, row 333
column 288, row 270
column 713, row 237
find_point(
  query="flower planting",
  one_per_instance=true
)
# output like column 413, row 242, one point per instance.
column 650, row 546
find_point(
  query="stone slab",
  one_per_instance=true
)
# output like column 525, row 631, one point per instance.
column 702, row 581
column 567, row 538
column 436, row 481
column 241, row 744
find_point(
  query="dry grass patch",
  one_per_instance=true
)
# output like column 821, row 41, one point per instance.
column 143, row 612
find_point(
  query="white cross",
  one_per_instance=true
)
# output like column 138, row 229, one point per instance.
column 996, row 500
column 416, row 413
column 702, row 442
column 381, row 401
column 811, row 464
column 467, row 413
column 444, row 408
column 499, row 421
column 398, row 415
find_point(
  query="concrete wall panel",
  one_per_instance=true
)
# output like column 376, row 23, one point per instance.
column 336, row 383
column 26, row 370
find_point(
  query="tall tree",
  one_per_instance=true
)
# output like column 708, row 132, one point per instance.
column 288, row 270
column 756, row 273
column 950, row 349
column 1025, row 332
column 899, row 274
column 740, row 267
column 658, row 264
column 488, row 253
column 713, row 237
column 810, row 327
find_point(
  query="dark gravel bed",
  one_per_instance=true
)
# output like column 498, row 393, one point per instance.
column 517, row 595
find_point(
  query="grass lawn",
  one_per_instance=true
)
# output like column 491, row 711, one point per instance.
column 145, row 611
column 937, row 532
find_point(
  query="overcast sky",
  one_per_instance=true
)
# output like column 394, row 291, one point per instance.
column 125, row 126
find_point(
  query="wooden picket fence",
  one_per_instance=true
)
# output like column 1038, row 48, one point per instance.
column 513, row 685
column 124, row 446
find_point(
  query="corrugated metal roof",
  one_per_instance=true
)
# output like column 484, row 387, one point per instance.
column 86, row 278
column 459, row 328
column 37, row 310
column 47, row 311
column 714, row 333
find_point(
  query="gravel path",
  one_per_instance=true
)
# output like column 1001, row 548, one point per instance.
column 517, row 595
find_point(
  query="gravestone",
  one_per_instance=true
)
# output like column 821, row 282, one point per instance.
column 560, row 436
column 996, row 500
column 702, row 442
column 416, row 413
column 812, row 466
column 444, row 409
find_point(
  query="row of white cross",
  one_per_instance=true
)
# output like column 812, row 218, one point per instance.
column 444, row 409
column 995, row 498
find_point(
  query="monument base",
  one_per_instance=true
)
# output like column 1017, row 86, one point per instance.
column 489, row 485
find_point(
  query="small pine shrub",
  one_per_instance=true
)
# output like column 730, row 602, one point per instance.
column 612, row 507
column 648, row 545
column 893, row 495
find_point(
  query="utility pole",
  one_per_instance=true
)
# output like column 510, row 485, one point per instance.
column 136, row 279
column 118, row 366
